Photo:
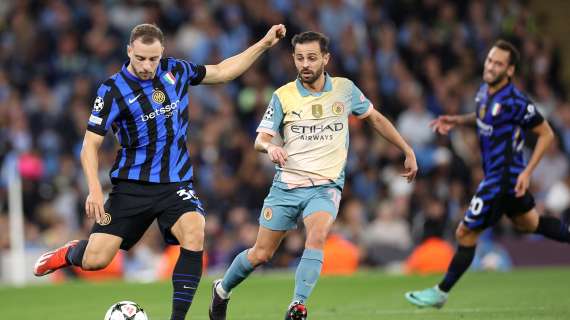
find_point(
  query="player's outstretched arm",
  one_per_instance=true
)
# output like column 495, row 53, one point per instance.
column 545, row 138
column 385, row 128
column 276, row 154
column 233, row 67
column 90, row 162
column 444, row 124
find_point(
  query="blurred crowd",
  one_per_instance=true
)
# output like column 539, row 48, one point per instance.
column 414, row 60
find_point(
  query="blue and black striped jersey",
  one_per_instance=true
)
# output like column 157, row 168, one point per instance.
column 502, row 119
column 150, row 120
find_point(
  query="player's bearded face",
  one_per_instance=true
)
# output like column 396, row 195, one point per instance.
column 144, row 58
column 309, row 61
column 497, row 67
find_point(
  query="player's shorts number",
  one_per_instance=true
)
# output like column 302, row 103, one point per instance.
column 476, row 205
column 335, row 197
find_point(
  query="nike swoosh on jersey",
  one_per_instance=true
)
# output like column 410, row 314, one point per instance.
column 134, row 99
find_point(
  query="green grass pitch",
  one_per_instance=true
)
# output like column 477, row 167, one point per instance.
column 522, row 294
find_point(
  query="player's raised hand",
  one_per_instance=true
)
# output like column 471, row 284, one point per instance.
column 277, row 154
column 411, row 168
column 276, row 33
column 523, row 181
column 444, row 124
column 94, row 206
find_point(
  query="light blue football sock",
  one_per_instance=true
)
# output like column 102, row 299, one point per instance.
column 237, row 272
column 308, row 272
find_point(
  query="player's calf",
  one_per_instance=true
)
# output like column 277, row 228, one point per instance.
column 553, row 228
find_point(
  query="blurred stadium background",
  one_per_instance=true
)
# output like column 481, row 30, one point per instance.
column 414, row 59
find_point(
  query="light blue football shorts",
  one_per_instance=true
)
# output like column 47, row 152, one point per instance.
column 283, row 207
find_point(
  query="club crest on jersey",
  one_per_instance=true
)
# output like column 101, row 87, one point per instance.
column 267, row 214
column 158, row 96
column 496, row 109
column 482, row 111
column 317, row 110
column 338, row 108
column 168, row 77
column 106, row 219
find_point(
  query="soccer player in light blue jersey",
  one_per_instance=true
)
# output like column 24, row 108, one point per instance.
column 311, row 114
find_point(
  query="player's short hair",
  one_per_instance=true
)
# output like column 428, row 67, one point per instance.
column 148, row 33
column 514, row 55
column 310, row 36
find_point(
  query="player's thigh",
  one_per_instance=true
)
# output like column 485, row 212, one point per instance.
column 128, row 213
column 281, row 209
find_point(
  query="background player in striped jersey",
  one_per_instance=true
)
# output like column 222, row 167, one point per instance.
column 502, row 116
column 146, row 105
column 311, row 114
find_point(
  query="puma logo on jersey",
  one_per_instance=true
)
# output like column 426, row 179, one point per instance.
column 298, row 114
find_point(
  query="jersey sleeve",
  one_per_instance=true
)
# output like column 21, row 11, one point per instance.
column 360, row 105
column 528, row 115
column 193, row 73
column 104, row 112
column 273, row 117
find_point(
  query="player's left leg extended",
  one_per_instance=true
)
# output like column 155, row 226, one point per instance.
column 189, row 231
column 436, row 296
column 550, row 227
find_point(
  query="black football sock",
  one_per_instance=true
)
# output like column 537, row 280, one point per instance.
column 74, row 255
column 185, row 280
column 554, row 229
column 459, row 264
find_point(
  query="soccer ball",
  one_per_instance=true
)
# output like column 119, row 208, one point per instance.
column 125, row 310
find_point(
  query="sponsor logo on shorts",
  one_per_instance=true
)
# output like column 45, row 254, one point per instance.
column 106, row 219
column 267, row 214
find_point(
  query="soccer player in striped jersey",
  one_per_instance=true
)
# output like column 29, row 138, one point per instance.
column 502, row 116
column 311, row 114
column 146, row 106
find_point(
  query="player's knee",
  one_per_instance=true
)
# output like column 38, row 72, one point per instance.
column 316, row 239
column 527, row 223
column 260, row 256
column 525, row 227
column 462, row 234
column 193, row 240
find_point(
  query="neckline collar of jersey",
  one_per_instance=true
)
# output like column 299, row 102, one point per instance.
column 502, row 89
column 304, row 92
column 131, row 76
